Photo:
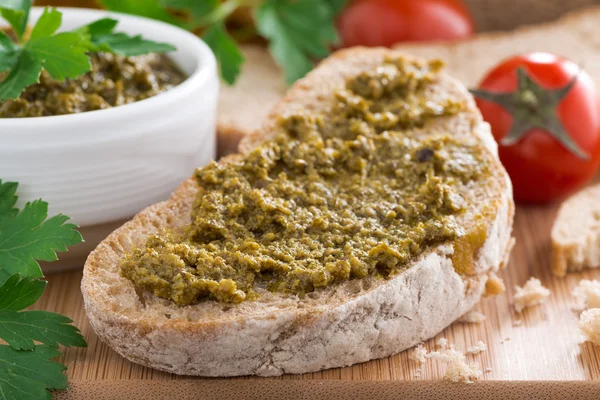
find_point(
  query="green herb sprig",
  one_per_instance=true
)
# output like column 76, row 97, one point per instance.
column 63, row 55
column 32, row 337
column 299, row 31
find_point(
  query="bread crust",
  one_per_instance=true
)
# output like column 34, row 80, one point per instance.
column 576, row 233
column 344, row 324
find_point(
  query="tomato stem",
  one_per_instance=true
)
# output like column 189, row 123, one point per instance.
column 529, row 98
column 533, row 106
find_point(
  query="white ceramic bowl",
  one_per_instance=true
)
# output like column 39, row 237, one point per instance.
column 106, row 165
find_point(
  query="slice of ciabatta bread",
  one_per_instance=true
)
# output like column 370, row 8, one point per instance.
column 340, row 325
column 576, row 233
column 260, row 85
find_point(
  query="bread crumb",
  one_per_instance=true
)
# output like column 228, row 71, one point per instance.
column 518, row 322
column 494, row 285
column 442, row 342
column 418, row 355
column 458, row 370
column 589, row 324
column 587, row 293
column 488, row 369
column 479, row 347
column 472, row 317
column 531, row 294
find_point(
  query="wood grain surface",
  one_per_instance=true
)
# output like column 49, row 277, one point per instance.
column 542, row 343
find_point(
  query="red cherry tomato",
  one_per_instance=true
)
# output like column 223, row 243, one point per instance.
column 543, row 163
column 386, row 22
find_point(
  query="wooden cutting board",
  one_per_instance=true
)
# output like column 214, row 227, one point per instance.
column 542, row 343
column 541, row 346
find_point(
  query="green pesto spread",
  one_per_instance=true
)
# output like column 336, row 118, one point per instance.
column 113, row 81
column 337, row 195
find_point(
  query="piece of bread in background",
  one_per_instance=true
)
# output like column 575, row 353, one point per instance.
column 495, row 15
column 589, row 324
column 575, row 36
column 576, row 233
column 243, row 107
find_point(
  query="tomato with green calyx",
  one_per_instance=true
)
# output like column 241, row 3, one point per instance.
column 544, row 114
column 386, row 22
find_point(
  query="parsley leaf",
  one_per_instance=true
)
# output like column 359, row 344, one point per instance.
column 299, row 31
column 20, row 329
column 6, row 43
column 27, row 236
column 25, row 72
column 18, row 293
column 102, row 26
column 9, row 52
column 47, row 24
column 8, row 198
column 102, row 38
column 16, row 12
column 35, row 366
column 15, row 386
column 125, row 45
column 227, row 52
column 145, row 8
column 26, row 371
column 63, row 55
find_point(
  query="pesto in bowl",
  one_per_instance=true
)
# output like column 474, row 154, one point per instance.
column 113, row 81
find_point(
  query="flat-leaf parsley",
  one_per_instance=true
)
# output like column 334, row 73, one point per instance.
column 63, row 54
column 299, row 31
column 32, row 336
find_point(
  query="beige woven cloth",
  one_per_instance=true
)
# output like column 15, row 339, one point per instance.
column 491, row 15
